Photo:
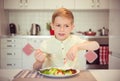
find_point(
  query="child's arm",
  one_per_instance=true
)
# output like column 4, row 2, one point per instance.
column 40, row 57
column 37, row 65
column 87, row 45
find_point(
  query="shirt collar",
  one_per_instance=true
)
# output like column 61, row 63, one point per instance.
column 64, row 41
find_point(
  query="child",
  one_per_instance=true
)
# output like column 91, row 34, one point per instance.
column 62, row 49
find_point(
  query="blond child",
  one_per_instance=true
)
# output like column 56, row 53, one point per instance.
column 62, row 49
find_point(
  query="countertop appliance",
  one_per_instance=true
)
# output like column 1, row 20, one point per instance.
column 35, row 29
column 12, row 28
column 104, row 31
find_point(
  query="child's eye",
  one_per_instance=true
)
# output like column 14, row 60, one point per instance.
column 66, row 25
column 58, row 25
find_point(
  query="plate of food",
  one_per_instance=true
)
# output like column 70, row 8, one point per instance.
column 58, row 72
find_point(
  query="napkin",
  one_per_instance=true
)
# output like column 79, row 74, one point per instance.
column 28, row 49
column 91, row 56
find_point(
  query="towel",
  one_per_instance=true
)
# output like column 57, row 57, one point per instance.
column 28, row 49
column 91, row 56
column 104, row 55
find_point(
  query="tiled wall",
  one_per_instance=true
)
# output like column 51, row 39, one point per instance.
column 84, row 19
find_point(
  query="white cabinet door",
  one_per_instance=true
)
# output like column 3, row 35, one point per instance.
column 11, row 63
column 35, row 4
column 114, row 18
column 14, row 4
column 38, row 4
column 54, row 4
column 114, row 44
column 91, row 4
column 114, row 34
column 103, row 4
column 114, row 26
column 24, row 4
column 28, row 60
column 83, row 4
column 11, row 52
column 114, row 62
column 11, row 43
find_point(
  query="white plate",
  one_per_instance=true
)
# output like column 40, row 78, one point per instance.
column 59, row 76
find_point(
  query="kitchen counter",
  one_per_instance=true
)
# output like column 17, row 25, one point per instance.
column 99, row 39
column 25, row 36
column 99, row 75
column 46, row 36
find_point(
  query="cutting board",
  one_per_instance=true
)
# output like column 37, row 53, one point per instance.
column 84, row 75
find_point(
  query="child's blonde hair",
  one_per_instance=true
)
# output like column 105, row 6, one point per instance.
column 63, row 12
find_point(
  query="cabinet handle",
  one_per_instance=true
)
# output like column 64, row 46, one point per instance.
column 110, row 52
column 93, row 3
column 26, row 3
column 98, row 3
column 9, row 64
column 14, row 45
column 14, row 64
column 9, row 53
column 21, row 3
column 9, row 40
column 14, row 54
column 9, row 45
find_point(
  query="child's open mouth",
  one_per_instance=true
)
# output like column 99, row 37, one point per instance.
column 61, row 34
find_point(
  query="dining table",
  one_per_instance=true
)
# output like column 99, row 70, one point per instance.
column 83, row 75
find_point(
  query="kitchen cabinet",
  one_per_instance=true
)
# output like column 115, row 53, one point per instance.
column 11, row 55
column 54, row 4
column 114, row 57
column 114, row 34
column 24, row 4
column 114, row 62
column 59, row 3
column 3, row 19
column 28, row 60
column 1, row 9
column 91, row 4
column 11, row 63
column 15, row 4
column 38, row 4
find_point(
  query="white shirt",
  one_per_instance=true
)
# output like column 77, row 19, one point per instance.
column 57, row 52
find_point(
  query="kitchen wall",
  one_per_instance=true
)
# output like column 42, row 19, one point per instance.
column 3, row 19
column 0, row 14
column 84, row 19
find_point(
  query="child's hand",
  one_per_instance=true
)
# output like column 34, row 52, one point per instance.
column 71, row 54
column 39, row 55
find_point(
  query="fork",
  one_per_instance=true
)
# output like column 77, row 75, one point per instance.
column 65, row 63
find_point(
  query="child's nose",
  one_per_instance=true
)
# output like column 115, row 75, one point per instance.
column 62, row 28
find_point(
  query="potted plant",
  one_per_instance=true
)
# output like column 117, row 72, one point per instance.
column 49, row 28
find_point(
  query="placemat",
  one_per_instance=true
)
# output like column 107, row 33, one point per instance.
column 29, row 75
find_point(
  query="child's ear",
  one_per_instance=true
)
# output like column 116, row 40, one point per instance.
column 73, row 26
column 51, row 24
